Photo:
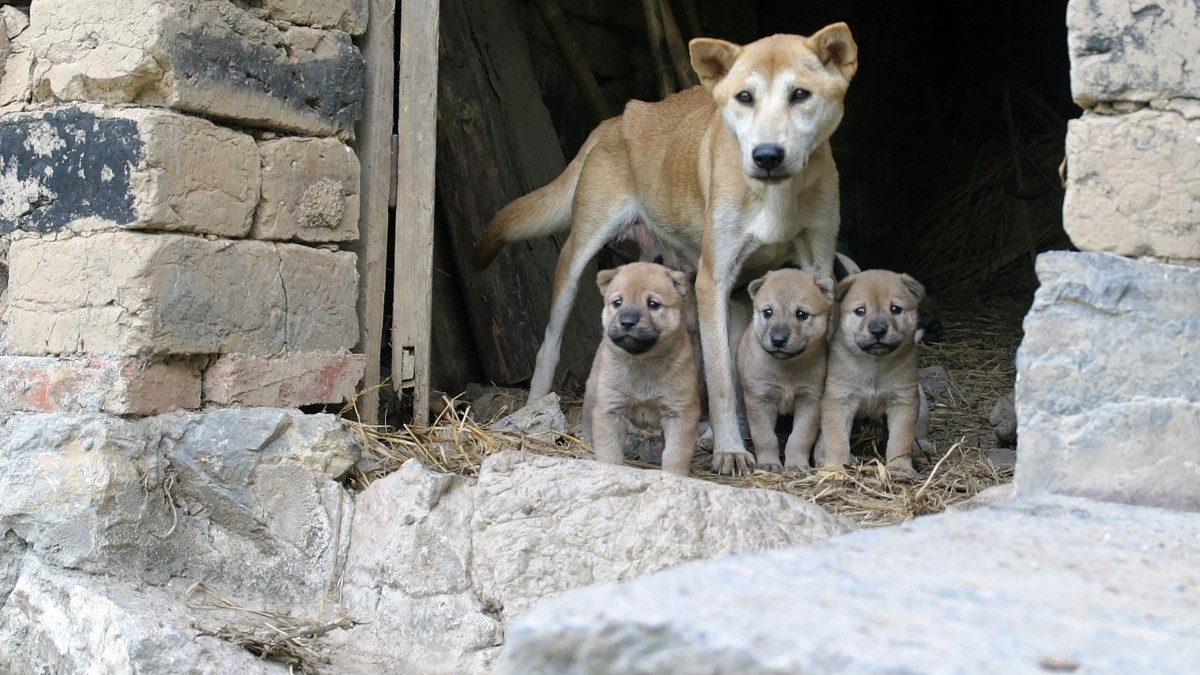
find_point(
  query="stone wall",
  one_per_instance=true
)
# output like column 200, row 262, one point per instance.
column 1107, row 396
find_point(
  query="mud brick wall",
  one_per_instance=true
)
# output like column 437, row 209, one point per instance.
column 1108, row 383
column 174, row 185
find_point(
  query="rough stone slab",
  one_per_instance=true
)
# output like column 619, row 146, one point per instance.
column 1128, row 50
column 135, row 294
column 58, row 621
column 1108, row 383
column 1134, row 184
column 288, row 381
column 15, row 88
column 87, row 166
column 116, row 386
column 345, row 15
column 1049, row 585
column 207, row 57
column 310, row 191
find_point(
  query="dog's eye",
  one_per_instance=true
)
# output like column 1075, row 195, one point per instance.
column 766, row 313
column 800, row 95
column 802, row 315
column 744, row 97
column 896, row 309
column 653, row 304
column 860, row 311
column 616, row 302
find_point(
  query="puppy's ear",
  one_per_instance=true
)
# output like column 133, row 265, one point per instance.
column 836, row 48
column 681, row 282
column 913, row 287
column 752, row 289
column 712, row 59
column 843, row 287
column 604, row 278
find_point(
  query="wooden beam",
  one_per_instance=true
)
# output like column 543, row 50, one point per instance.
column 416, row 131
column 374, row 146
column 556, row 23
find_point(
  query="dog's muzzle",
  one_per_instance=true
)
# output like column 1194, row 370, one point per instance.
column 629, row 333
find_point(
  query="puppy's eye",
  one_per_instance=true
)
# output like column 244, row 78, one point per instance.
column 800, row 95
column 653, row 304
column 766, row 313
column 616, row 302
column 744, row 97
column 897, row 310
column 802, row 315
column 860, row 311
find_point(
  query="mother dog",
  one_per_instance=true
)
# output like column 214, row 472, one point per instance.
column 735, row 177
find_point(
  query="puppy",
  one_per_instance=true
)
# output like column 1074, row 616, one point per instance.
column 873, row 367
column 781, row 364
column 646, row 372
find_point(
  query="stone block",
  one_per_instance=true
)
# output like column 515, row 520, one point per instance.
column 17, row 57
column 1108, row 382
column 1128, row 50
column 345, row 15
column 208, row 57
column 309, row 191
column 87, row 167
column 287, row 381
column 138, row 294
column 116, row 386
column 1134, row 184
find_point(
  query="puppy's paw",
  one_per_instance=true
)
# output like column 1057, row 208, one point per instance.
column 768, row 461
column 901, row 470
column 796, row 466
column 736, row 463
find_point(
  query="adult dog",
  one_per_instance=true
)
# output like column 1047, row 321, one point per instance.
column 735, row 176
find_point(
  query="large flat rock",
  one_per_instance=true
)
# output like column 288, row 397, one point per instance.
column 1037, row 585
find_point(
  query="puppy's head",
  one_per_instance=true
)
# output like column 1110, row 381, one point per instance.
column 790, row 312
column 643, row 302
column 878, row 310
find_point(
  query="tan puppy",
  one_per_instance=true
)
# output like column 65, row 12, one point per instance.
column 734, row 178
column 781, row 365
column 645, row 372
column 873, row 367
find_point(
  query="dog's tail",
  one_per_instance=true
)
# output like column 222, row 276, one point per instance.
column 540, row 213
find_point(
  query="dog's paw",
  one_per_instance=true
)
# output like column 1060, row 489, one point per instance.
column 769, row 466
column 901, row 470
column 736, row 463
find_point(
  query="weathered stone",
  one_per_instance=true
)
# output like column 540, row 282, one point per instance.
column 15, row 89
column 542, row 416
column 309, row 191
column 544, row 525
column 116, row 386
column 207, row 57
column 346, row 15
column 1003, row 419
column 1134, row 184
column 288, row 381
column 134, row 294
column 86, row 166
column 57, row 621
column 1108, row 386
column 1034, row 586
column 1133, row 51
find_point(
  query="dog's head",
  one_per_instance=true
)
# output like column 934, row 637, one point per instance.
column 878, row 310
column 790, row 312
column 642, row 303
column 780, row 96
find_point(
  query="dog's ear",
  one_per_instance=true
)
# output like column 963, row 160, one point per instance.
column 753, row 287
column 913, row 287
column 843, row 287
column 681, row 282
column 603, row 278
column 712, row 59
column 836, row 48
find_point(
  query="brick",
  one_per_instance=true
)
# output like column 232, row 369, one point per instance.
column 207, row 57
column 1108, row 383
column 345, row 15
column 286, row 381
column 309, row 191
column 86, row 166
column 1126, row 50
column 107, row 385
column 1134, row 184
column 136, row 294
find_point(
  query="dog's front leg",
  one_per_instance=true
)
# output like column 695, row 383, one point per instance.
column 714, row 282
column 608, row 433
column 679, row 435
column 762, row 432
column 806, row 421
column 901, row 422
column 837, row 418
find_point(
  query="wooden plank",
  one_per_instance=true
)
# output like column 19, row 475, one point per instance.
column 374, row 147
column 416, row 131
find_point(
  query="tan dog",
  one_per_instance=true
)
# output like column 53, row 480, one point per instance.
column 873, row 367
column 645, row 372
column 781, row 365
column 735, row 177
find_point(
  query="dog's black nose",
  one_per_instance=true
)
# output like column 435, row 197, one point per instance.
column 628, row 318
column 878, row 329
column 767, row 156
column 779, row 339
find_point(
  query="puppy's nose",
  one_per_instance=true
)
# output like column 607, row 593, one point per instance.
column 779, row 338
column 877, row 329
column 767, row 156
column 628, row 318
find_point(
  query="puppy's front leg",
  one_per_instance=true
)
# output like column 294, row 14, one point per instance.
column 806, row 422
column 608, row 432
column 837, row 417
column 679, row 435
column 902, row 424
column 712, row 295
column 762, row 433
